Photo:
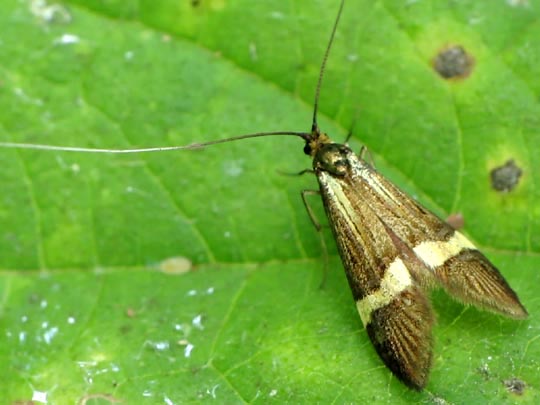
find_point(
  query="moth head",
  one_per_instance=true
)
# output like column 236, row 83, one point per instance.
column 332, row 158
column 314, row 141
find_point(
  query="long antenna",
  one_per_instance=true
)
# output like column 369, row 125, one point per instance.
column 14, row 145
column 305, row 136
column 314, row 125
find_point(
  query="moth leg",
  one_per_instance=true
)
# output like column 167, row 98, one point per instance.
column 348, row 137
column 318, row 227
column 365, row 154
column 300, row 173
column 309, row 210
column 353, row 124
column 325, row 260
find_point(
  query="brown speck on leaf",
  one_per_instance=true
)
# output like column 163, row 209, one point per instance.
column 515, row 385
column 506, row 177
column 456, row 221
column 453, row 62
column 130, row 312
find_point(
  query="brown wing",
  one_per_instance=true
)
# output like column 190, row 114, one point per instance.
column 452, row 260
column 401, row 334
column 394, row 310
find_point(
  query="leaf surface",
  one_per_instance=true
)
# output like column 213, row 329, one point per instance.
column 88, row 313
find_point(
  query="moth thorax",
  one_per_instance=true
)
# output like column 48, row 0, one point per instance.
column 332, row 158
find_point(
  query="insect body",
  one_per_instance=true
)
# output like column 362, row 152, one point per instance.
column 393, row 251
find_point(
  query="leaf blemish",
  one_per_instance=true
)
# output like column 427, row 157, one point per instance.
column 456, row 220
column 176, row 265
column 506, row 177
column 453, row 62
column 484, row 371
column 515, row 385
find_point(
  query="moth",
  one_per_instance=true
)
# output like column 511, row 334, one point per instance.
column 393, row 250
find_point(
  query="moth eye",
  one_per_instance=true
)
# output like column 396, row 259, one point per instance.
column 307, row 149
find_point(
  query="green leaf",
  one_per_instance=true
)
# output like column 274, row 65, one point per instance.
column 86, row 312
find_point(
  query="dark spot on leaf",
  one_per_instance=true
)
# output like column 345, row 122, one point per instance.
column 515, row 385
column 195, row 3
column 506, row 177
column 484, row 372
column 453, row 62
